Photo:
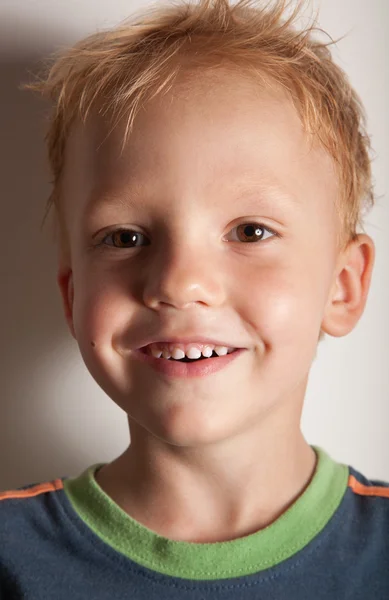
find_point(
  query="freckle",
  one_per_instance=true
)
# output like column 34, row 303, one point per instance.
column 93, row 344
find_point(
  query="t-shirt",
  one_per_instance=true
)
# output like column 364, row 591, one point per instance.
column 67, row 540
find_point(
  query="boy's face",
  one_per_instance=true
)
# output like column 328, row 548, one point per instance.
column 198, row 165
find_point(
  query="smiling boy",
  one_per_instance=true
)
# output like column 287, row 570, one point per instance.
column 220, row 219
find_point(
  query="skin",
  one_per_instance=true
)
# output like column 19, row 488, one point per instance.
column 221, row 456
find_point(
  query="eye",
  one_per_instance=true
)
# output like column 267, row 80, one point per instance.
column 250, row 232
column 122, row 236
column 256, row 231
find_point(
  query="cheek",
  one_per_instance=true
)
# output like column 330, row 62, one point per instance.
column 98, row 312
column 283, row 302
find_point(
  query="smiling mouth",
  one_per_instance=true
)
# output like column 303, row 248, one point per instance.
column 185, row 359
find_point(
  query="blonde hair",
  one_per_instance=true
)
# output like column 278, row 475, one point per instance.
column 117, row 70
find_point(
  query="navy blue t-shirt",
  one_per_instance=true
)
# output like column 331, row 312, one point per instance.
column 68, row 540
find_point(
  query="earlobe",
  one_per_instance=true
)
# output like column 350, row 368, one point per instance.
column 350, row 288
column 66, row 286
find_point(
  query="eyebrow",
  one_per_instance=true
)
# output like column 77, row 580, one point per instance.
column 264, row 194
column 112, row 198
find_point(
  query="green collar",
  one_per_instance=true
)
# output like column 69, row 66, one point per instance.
column 293, row 530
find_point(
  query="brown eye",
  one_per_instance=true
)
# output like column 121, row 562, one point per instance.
column 253, row 232
column 123, row 238
column 128, row 238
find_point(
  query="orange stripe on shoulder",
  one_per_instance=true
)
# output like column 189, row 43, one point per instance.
column 40, row 488
column 366, row 490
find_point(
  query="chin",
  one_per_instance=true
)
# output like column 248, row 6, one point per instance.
column 187, row 426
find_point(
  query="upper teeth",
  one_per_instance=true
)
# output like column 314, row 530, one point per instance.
column 190, row 350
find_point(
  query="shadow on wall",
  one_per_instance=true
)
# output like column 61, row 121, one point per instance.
column 33, row 445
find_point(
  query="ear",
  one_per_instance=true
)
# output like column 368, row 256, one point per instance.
column 65, row 283
column 350, row 288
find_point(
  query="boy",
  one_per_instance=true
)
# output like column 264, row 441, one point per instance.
column 210, row 170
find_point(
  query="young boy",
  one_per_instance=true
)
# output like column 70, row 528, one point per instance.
column 210, row 171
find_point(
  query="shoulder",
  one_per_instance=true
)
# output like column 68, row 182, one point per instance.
column 26, row 493
column 29, row 509
column 361, row 485
column 367, row 501
column 33, row 525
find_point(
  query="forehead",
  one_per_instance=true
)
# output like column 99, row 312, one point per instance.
column 209, row 136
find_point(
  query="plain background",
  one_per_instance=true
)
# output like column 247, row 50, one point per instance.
column 54, row 418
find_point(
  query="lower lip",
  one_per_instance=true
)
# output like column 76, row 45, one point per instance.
column 200, row 368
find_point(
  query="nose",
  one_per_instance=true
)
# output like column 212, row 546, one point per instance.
column 183, row 274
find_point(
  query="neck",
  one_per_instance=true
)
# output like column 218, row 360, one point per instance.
column 210, row 493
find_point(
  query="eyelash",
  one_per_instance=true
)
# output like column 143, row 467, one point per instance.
column 126, row 230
